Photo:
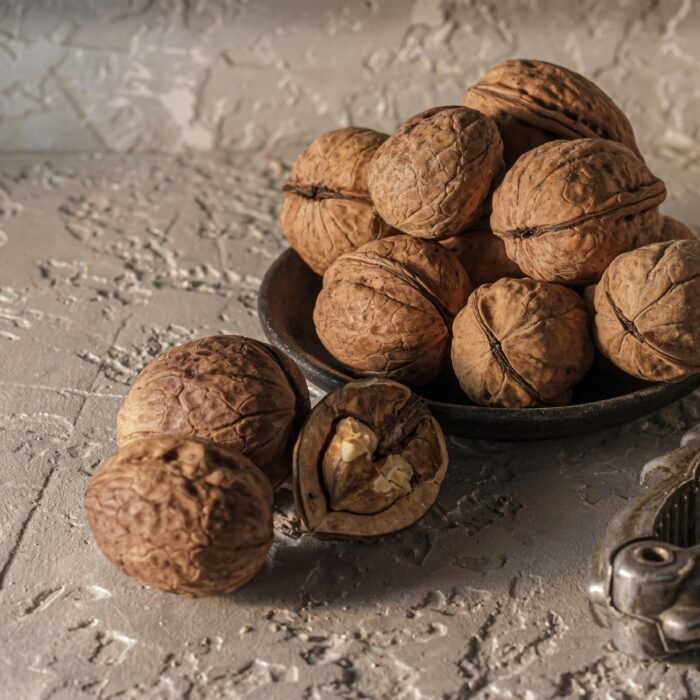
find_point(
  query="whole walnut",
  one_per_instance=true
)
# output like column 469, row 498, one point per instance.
column 232, row 390
column 482, row 254
column 534, row 102
column 434, row 175
column 327, row 210
column 567, row 209
column 646, row 311
column 369, row 460
column 520, row 343
column 386, row 308
column 674, row 230
column 182, row 515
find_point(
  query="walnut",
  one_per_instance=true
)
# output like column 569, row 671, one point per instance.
column 534, row 102
column 434, row 175
column 232, row 390
column 369, row 461
column 386, row 308
column 568, row 208
column 482, row 254
column 327, row 210
column 521, row 343
column 181, row 514
column 674, row 230
column 646, row 311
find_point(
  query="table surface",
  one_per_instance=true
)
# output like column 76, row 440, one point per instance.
column 107, row 260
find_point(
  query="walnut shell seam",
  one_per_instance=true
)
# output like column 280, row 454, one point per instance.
column 318, row 192
column 502, row 359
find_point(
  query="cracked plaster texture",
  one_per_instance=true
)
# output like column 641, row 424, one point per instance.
column 108, row 258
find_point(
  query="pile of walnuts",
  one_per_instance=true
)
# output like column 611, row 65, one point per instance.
column 474, row 233
column 211, row 427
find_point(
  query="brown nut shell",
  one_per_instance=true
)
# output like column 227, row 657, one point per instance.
column 386, row 308
column 674, row 230
column 534, row 102
column 482, row 254
column 235, row 391
column 327, row 210
column 433, row 176
column 405, row 431
column 520, row 343
column 647, row 319
column 181, row 514
column 567, row 209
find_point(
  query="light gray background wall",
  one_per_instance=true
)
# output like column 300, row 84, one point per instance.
column 237, row 75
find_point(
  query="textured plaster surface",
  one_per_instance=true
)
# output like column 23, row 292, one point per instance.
column 105, row 260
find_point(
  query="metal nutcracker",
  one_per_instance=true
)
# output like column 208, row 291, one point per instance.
column 646, row 570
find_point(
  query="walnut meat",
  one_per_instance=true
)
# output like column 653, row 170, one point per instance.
column 231, row 390
column 567, row 209
column 386, row 308
column 182, row 515
column 434, row 175
column 482, row 254
column 327, row 210
column 534, row 102
column 369, row 461
column 520, row 343
column 646, row 311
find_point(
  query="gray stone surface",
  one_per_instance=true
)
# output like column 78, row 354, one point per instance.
column 107, row 260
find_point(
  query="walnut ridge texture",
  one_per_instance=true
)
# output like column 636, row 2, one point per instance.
column 326, row 209
column 386, row 308
column 231, row 390
column 534, row 102
column 568, row 208
column 181, row 514
column 521, row 343
column 369, row 461
column 432, row 177
column 647, row 311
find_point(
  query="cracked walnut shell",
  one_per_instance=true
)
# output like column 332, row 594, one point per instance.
column 386, row 308
column 520, row 343
column 534, row 102
column 232, row 390
column 182, row 515
column 327, row 210
column 647, row 318
column 434, row 175
column 567, row 209
column 369, row 461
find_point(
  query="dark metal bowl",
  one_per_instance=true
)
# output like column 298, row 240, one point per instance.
column 606, row 397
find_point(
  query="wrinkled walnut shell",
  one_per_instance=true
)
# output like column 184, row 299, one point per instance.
column 433, row 176
column 232, row 390
column 520, row 343
column 646, row 311
column 567, row 209
column 182, row 515
column 482, row 254
column 404, row 428
column 327, row 210
column 386, row 308
column 674, row 230
column 534, row 102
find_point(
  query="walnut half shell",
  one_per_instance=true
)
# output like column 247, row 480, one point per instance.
column 369, row 461
column 182, row 515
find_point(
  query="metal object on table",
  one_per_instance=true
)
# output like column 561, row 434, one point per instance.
column 646, row 570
